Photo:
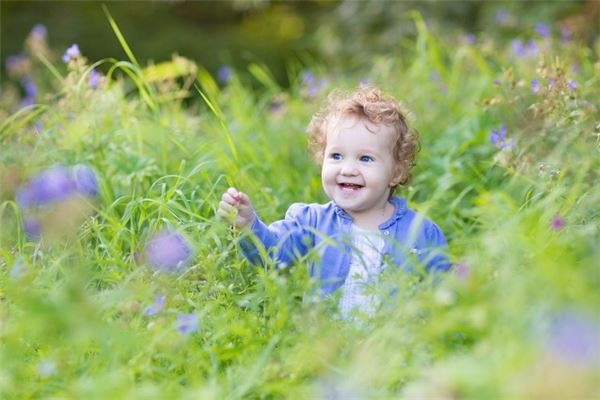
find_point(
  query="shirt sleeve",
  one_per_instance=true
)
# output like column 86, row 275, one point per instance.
column 283, row 241
column 434, row 257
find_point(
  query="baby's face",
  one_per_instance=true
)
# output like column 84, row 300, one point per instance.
column 359, row 169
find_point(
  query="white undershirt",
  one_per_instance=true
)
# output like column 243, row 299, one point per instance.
column 365, row 267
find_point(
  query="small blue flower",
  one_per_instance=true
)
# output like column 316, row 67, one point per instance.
column 566, row 34
column 85, row 180
column 94, row 79
column 32, row 228
column 39, row 32
column 572, row 85
column 18, row 268
column 168, row 251
column 499, row 139
column 574, row 338
column 542, row 30
column 15, row 63
column 434, row 76
column 153, row 309
column 71, row 53
column 186, row 323
column 496, row 82
column 470, row 39
column 502, row 16
column 307, row 77
column 29, row 87
column 517, row 48
column 51, row 185
column 225, row 73
column 535, row 86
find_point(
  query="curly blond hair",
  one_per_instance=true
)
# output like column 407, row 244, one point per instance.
column 370, row 104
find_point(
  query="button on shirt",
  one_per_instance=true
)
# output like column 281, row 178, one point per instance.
column 410, row 239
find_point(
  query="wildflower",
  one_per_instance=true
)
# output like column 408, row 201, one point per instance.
column 499, row 139
column 85, row 180
column 469, row 39
column 32, row 228
column 517, row 48
column 46, row 368
column 557, row 223
column 224, row 74
column 39, row 32
column 542, row 30
column 462, row 271
column 496, row 82
column 364, row 82
column 531, row 48
column 551, row 83
column 574, row 338
column 53, row 184
column 94, row 79
column 572, row 85
column 71, row 53
column 502, row 16
column 307, row 78
column 18, row 268
column 535, row 86
column 153, row 309
column 434, row 76
column 15, row 63
column 29, row 87
column 186, row 323
column 566, row 33
column 168, row 251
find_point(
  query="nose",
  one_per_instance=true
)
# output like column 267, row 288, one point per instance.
column 348, row 168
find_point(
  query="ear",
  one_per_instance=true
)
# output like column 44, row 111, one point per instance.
column 398, row 175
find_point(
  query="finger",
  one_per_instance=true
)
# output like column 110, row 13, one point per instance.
column 229, row 199
column 232, row 191
column 226, row 207
column 243, row 199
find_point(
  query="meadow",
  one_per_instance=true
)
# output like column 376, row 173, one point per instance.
column 117, row 280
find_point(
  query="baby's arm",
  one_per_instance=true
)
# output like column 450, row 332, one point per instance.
column 236, row 208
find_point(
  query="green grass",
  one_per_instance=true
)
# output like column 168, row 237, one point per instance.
column 164, row 161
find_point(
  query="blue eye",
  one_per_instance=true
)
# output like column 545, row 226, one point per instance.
column 336, row 156
column 366, row 158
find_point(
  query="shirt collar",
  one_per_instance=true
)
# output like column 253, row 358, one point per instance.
column 399, row 211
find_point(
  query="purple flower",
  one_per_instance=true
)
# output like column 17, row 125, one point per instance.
column 39, row 32
column 72, row 52
column 502, row 16
column 462, row 271
column 542, row 30
column 470, row 39
column 85, row 180
column 29, row 87
column 307, row 77
column 153, row 309
column 168, row 251
column 32, row 228
column 499, row 139
column 531, row 48
column 551, row 83
column 496, row 82
column 557, row 223
column 51, row 185
column 572, row 85
column 364, row 82
column 535, row 86
column 224, row 74
column 15, row 63
column 566, row 33
column 94, row 79
column 186, row 323
column 18, row 268
column 575, row 339
column 517, row 48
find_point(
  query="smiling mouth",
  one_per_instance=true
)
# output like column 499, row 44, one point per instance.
column 349, row 186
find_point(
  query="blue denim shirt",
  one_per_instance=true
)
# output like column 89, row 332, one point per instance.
column 325, row 227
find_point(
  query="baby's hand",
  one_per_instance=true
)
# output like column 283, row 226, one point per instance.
column 236, row 208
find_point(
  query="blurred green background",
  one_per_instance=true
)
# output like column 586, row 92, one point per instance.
column 236, row 33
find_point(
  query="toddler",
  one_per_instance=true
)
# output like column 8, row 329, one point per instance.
column 365, row 150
